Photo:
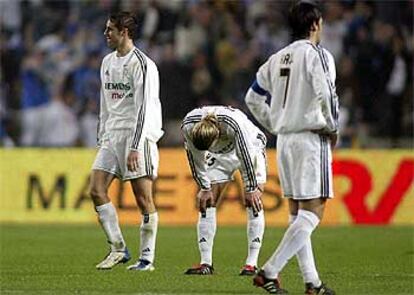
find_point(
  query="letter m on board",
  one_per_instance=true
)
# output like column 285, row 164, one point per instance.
column 46, row 196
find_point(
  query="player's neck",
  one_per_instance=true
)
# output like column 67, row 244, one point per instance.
column 124, row 48
column 314, row 39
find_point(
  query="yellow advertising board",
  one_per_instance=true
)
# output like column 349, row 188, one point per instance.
column 51, row 185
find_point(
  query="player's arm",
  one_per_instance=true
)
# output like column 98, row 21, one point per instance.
column 142, row 74
column 252, row 190
column 103, row 112
column 334, row 107
column 322, row 78
column 198, row 166
column 243, row 145
column 257, row 95
column 196, row 160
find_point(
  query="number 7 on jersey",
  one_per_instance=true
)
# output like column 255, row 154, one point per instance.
column 285, row 72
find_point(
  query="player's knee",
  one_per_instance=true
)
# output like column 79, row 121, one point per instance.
column 146, row 203
column 147, row 199
column 96, row 194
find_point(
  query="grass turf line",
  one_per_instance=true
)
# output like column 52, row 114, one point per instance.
column 60, row 259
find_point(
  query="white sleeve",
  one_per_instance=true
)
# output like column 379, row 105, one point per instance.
column 145, row 74
column 244, row 147
column 196, row 160
column 257, row 94
column 334, row 107
column 320, row 76
column 103, row 112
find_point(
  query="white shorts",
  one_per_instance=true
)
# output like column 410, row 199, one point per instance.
column 221, row 167
column 113, row 154
column 305, row 165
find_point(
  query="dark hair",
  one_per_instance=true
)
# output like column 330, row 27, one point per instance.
column 302, row 15
column 123, row 20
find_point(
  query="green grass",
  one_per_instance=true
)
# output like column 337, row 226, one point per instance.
column 54, row 259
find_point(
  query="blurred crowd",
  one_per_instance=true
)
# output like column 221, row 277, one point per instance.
column 208, row 53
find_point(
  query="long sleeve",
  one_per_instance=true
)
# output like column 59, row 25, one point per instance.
column 256, row 98
column 103, row 115
column 259, row 108
column 196, row 160
column 321, row 73
column 243, row 147
column 140, row 82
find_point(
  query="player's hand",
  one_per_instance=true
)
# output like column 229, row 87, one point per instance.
column 132, row 161
column 204, row 199
column 254, row 200
column 333, row 138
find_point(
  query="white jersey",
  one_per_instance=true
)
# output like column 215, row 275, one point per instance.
column 237, row 133
column 300, row 80
column 130, row 97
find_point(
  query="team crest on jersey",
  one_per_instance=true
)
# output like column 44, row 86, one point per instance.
column 125, row 71
column 107, row 72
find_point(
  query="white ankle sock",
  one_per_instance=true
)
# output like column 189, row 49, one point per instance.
column 294, row 239
column 148, row 235
column 255, row 230
column 306, row 261
column 109, row 221
column 206, row 230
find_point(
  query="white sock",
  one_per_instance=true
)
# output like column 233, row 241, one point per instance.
column 206, row 230
column 294, row 239
column 306, row 261
column 255, row 230
column 109, row 221
column 148, row 234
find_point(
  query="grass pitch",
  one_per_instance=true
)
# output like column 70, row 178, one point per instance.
column 56, row 259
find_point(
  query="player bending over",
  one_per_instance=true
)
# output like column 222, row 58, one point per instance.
column 220, row 140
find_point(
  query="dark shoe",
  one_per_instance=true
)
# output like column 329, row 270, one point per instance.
column 271, row 286
column 201, row 269
column 248, row 270
column 310, row 289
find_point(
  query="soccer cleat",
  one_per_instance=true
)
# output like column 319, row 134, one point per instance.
column 114, row 258
column 321, row 290
column 142, row 265
column 201, row 269
column 271, row 286
column 248, row 270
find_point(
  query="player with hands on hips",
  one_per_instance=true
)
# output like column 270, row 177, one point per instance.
column 220, row 140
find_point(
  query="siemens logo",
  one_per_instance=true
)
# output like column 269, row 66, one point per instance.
column 117, row 86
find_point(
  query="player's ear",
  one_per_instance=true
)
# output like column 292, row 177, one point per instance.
column 314, row 26
column 124, row 32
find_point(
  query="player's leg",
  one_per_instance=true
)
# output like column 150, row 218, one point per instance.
column 141, row 182
column 255, row 220
column 295, row 237
column 255, row 231
column 267, row 277
column 313, row 285
column 143, row 191
column 206, row 231
column 107, row 216
column 308, row 186
column 304, row 256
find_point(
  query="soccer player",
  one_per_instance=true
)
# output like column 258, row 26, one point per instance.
column 303, row 112
column 129, row 128
column 220, row 140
